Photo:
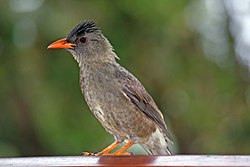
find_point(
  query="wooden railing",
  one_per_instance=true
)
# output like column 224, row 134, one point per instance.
column 127, row 161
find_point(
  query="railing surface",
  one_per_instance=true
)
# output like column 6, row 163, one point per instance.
column 126, row 161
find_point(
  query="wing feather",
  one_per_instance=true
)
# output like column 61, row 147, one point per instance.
column 139, row 97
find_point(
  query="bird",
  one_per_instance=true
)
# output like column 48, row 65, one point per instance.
column 114, row 95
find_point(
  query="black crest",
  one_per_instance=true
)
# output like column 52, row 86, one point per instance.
column 82, row 28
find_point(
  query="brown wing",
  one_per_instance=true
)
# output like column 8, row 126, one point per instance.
column 139, row 97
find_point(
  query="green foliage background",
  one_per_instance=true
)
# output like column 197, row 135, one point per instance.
column 42, row 111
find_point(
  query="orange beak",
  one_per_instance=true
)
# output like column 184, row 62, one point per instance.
column 61, row 44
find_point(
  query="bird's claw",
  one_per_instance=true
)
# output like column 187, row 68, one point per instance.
column 91, row 154
column 106, row 154
column 87, row 154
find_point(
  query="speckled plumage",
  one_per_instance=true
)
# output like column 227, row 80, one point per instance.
column 116, row 98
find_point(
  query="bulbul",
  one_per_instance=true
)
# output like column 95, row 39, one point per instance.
column 115, row 96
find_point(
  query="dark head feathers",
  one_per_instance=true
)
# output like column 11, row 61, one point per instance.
column 83, row 28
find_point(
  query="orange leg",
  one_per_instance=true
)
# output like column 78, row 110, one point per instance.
column 104, row 151
column 122, row 150
column 109, row 148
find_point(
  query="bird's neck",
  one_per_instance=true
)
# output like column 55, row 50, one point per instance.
column 94, row 71
column 106, row 58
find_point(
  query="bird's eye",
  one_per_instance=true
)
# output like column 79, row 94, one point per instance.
column 83, row 40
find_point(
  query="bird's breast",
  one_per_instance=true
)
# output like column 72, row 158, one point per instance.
column 102, row 92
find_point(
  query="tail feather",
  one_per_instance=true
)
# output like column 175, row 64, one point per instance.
column 157, row 151
column 157, row 144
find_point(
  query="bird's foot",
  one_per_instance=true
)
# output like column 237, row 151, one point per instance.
column 106, row 151
column 107, row 154
column 89, row 154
